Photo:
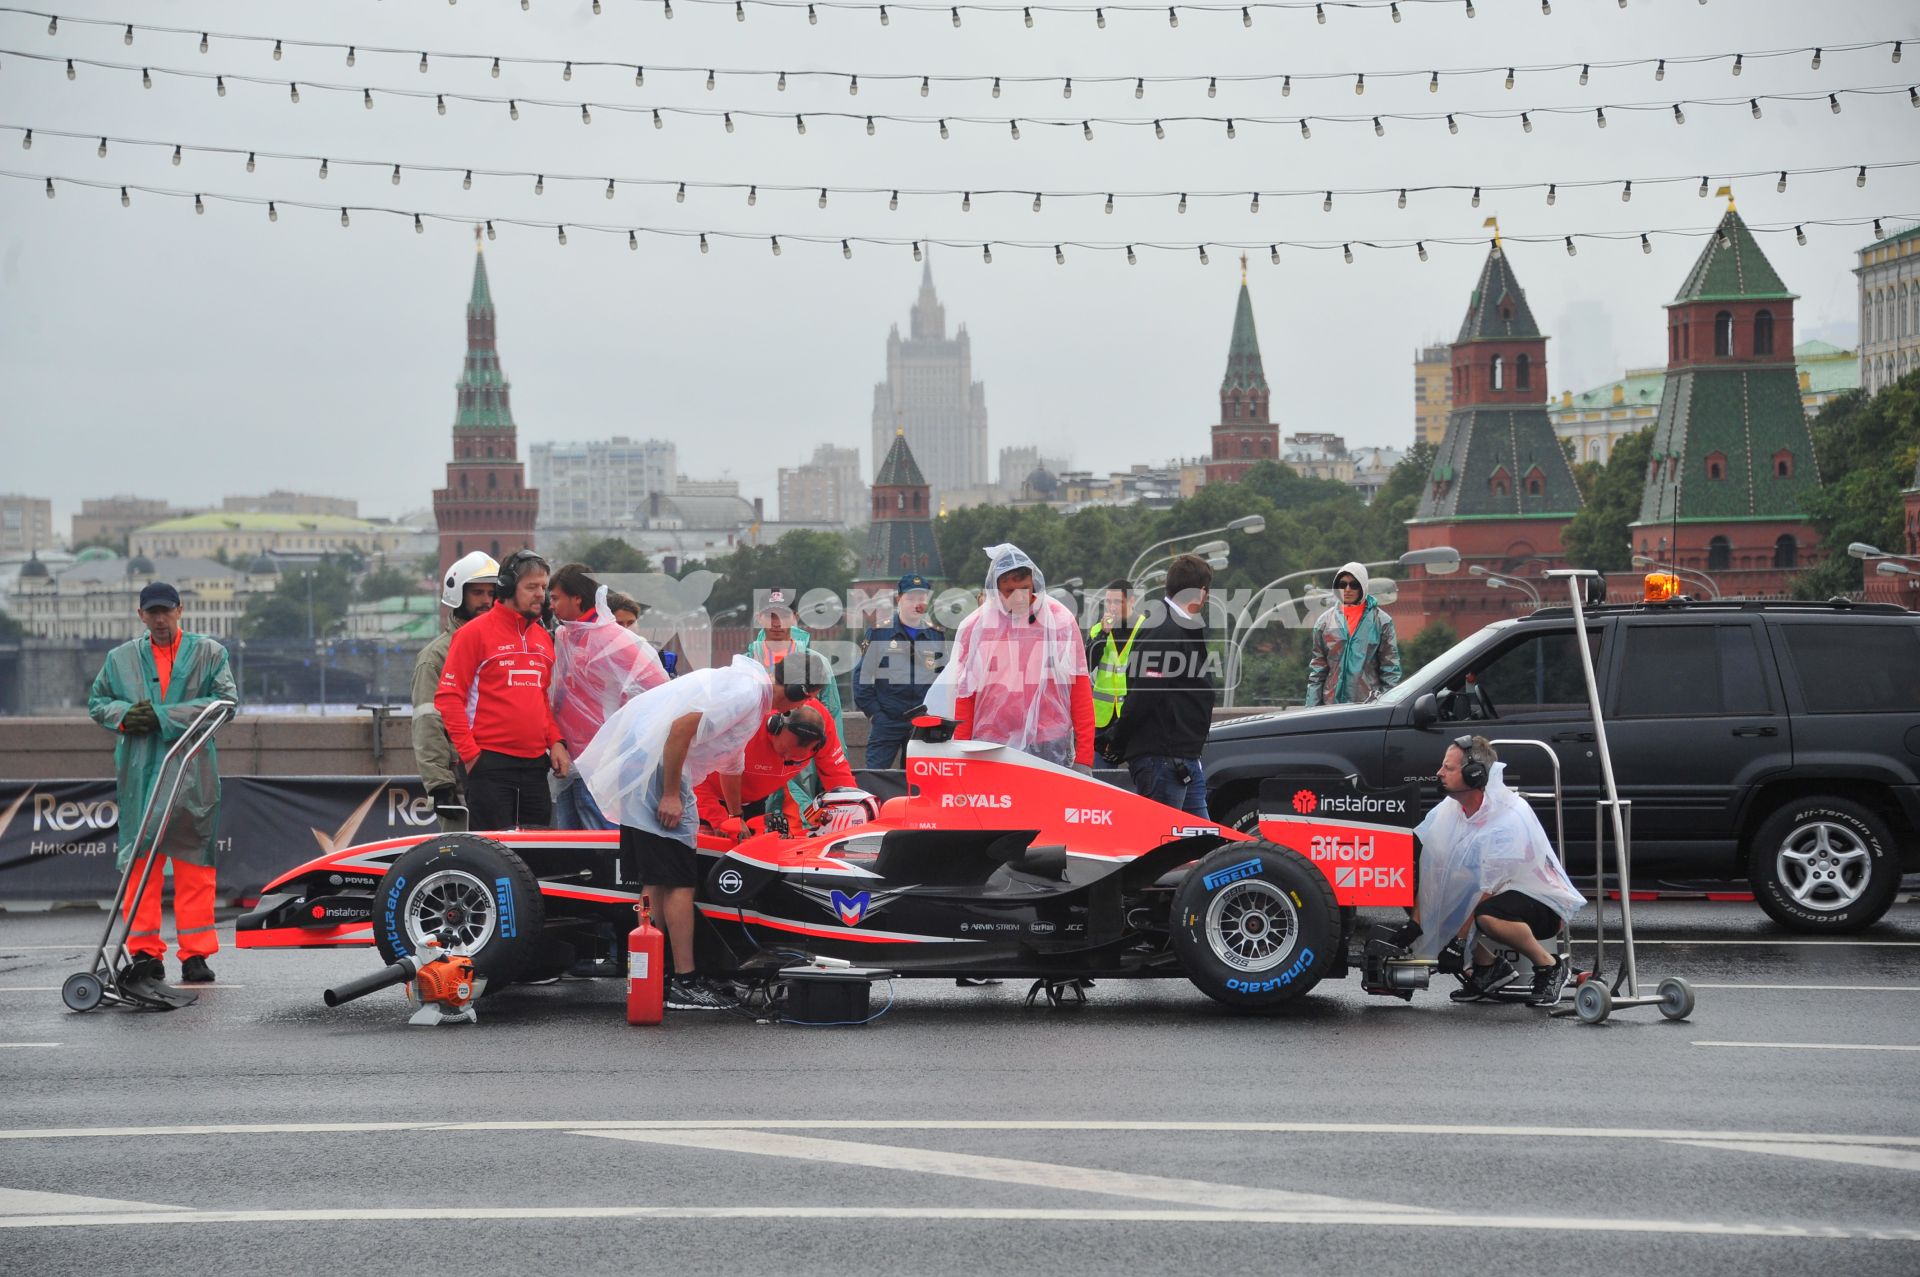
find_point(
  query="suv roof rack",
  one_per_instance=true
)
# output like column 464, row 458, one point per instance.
column 1734, row 605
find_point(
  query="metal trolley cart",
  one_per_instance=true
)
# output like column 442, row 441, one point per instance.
column 103, row 980
column 1596, row 999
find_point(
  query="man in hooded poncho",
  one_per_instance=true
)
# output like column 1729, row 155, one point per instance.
column 598, row 666
column 148, row 693
column 1486, row 865
column 1356, row 655
column 1017, row 674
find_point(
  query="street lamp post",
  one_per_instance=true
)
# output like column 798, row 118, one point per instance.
column 1500, row 580
column 1251, row 524
column 1861, row 550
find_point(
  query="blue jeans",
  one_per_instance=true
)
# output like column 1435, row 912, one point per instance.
column 574, row 808
column 886, row 738
column 1156, row 776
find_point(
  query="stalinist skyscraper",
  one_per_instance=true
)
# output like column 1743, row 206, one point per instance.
column 931, row 396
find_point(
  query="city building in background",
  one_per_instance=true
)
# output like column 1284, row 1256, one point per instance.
column 899, row 525
column 1432, row 392
column 1889, row 275
column 26, row 524
column 1317, row 455
column 1245, row 434
column 683, row 486
column 1732, row 453
column 239, row 538
column 931, row 396
column 486, row 504
column 111, row 520
column 282, row 502
column 1018, row 464
column 1593, row 421
column 1500, row 490
column 827, row 490
column 1372, row 467
column 601, row 482
column 98, row 595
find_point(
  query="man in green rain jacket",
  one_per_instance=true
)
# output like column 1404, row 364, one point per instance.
column 148, row 693
column 778, row 636
column 1356, row 654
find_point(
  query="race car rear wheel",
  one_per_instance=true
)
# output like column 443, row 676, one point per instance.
column 471, row 888
column 1255, row 925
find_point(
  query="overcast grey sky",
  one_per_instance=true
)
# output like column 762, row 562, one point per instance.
column 151, row 350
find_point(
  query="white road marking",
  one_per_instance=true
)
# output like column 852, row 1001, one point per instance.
column 27, row 1201
column 1823, row 988
column 197, row 988
column 1814, row 1046
column 1895, row 1159
column 1002, row 1170
column 963, row 1124
column 16, row 1046
column 1774, row 944
column 1338, row 1219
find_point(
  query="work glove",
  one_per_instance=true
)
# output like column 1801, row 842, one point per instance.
column 444, row 796
column 1453, row 958
column 140, row 720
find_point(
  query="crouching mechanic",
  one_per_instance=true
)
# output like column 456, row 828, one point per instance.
column 1486, row 865
column 641, row 769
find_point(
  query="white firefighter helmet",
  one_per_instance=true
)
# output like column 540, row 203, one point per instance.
column 471, row 567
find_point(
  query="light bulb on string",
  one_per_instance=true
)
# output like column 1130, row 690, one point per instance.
column 273, row 213
column 813, row 19
column 1800, row 235
column 396, row 175
column 1421, row 246
column 1246, row 16
column 1213, row 86
column 703, row 241
column 869, row 126
column 1346, row 250
column 727, row 119
column 1896, row 52
column 986, row 254
column 1860, row 178
column 1181, row 207
column 1403, row 197
column 926, row 85
column 49, row 188
column 1754, row 103
column 350, row 52
column 1326, row 205
column 53, row 26
column 1393, row 9
column 249, row 161
column 1453, row 125
column 1660, row 70
column 26, row 144
column 1781, row 185
column 293, row 93
column 1646, row 245
column 1509, row 78
column 709, row 81
column 1816, row 59
column 1029, row 17
column 366, row 98
column 466, row 181
column 1738, row 62
column 276, row 50
column 344, row 219
column 893, row 202
column 884, row 20
column 1036, row 201
column 490, row 234
column 916, row 250
column 1230, row 133
column 540, row 184
column 633, row 240
column 1059, row 258
column 1305, row 132
column 846, row 249
column 199, row 205
column 1359, row 84
column 781, row 83
column 71, row 73
column 966, row 202
column 1100, row 18
column 1584, row 72
column 1553, row 194
column 562, row 232
column 1470, row 8
column 996, row 86
column 943, row 130
column 1526, row 122
column 323, row 170
column 220, row 85
column 126, row 201
column 1703, row 186
column 1159, row 131
column 1476, row 197
column 823, row 197
column 1086, row 129
column 1131, row 259
column 496, row 68
column 567, row 73
column 1721, row 239
column 146, row 78
column 1379, row 129
column 1254, row 205
column 1433, row 83
column 1600, row 116
column 1139, row 88
column 776, row 245
column 658, row 123
column 1679, row 116
column 956, row 16
column 1626, row 193
column 423, row 64
column 1173, row 19
column 753, row 196
column 1320, row 14
column 419, row 227
column 1203, row 254
column 1878, row 233
column 1286, row 86
column 203, row 45
column 1013, row 126
column 1109, row 203
column 103, row 148
column 1833, row 103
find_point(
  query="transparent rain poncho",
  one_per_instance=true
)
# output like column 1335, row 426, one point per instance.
column 1501, row 847
column 598, row 666
column 1019, row 665
column 621, row 769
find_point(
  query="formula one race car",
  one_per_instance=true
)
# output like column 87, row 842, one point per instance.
column 995, row 864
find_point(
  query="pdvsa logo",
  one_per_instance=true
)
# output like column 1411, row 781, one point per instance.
column 1305, row 802
column 1089, row 816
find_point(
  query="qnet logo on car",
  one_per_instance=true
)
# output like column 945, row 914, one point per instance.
column 1305, row 801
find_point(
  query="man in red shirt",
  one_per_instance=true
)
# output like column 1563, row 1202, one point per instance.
column 493, row 699
column 769, row 763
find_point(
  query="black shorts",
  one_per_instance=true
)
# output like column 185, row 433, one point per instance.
column 1518, row 906
column 654, row 861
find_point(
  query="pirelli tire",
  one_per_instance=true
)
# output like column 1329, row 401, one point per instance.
column 474, row 887
column 1255, row 926
column 1824, row 864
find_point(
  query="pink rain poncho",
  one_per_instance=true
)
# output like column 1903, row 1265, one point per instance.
column 598, row 666
column 1019, row 667
column 1501, row 847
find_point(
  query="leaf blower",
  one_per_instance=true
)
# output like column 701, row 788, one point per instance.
column 441, row 984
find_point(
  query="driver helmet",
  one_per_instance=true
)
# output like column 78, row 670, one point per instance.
column 470, row 567
column 840, row 809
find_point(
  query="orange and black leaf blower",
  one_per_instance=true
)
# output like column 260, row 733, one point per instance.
column 441, row 984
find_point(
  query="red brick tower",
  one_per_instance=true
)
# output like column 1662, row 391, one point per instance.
column 900, row 530
column 1245, row 435
column 486, row 504
column 1732, row 454
column 1501, row 489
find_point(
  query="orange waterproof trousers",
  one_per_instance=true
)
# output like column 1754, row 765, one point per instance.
column 192, row 911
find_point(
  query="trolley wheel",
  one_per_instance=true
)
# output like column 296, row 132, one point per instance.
column 1676, row 998
column 82, row 991
column 1593, row 1002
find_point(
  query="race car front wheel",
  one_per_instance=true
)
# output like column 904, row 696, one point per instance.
column 469, row 889
column 1255, row 925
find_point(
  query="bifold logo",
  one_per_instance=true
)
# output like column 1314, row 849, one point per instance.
column 1089, row 816
column 1369, row 876
column 1331, row 847
column 989, row 802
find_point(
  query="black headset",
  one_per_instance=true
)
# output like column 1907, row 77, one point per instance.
column 804, row 682
column 1472, row 770
column 512, row 569
column 805, row 732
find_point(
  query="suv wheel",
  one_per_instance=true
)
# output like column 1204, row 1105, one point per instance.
column 1244, row 817
column 1823, row 864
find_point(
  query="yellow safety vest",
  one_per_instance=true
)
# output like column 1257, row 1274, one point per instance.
column 1110, row 676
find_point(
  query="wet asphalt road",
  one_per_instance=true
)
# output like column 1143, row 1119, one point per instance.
column 966, row 1133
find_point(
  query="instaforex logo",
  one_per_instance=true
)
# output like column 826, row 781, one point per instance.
column 1355, row 804
column 1304, row 801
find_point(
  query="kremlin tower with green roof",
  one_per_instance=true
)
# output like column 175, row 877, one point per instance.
column 486, row 504
column 1732, row 452
column 1246, row 434
column 1501, row 489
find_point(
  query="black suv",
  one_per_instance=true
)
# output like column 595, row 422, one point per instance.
column 1776, row 740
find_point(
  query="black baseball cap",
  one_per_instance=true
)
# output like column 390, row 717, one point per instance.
column 159, row 594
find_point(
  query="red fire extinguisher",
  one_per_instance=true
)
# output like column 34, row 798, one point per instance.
column 646, row 968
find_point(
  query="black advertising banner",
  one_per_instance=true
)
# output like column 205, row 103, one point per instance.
column 57, row 837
